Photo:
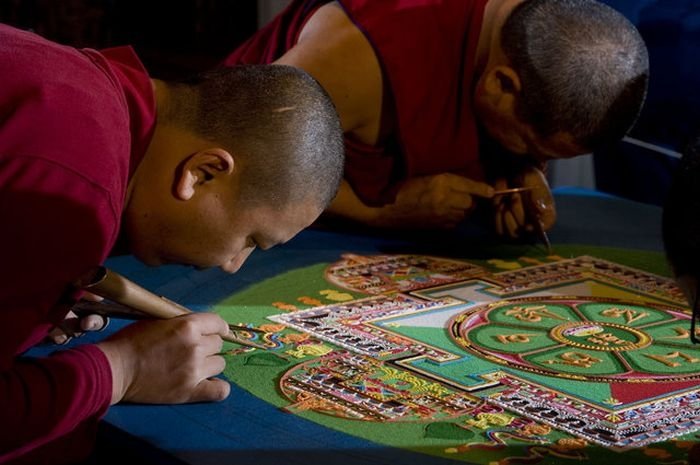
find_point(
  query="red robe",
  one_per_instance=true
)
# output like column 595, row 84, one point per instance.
column 74, row 124
column 427, row 52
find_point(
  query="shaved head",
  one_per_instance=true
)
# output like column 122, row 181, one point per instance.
column 277, row 121
column 584, row 68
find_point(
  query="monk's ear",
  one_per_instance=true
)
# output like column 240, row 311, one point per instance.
column 200, row 169
column 500, row 87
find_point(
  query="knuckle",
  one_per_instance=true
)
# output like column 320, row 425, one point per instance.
column 439, row 181
column 187, row 328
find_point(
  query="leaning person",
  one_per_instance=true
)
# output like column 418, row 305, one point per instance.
column 681, row 224
column 443, row 101
column 199, row 173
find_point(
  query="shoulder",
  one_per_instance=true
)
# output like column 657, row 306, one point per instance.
column 336, row 52
column 65, row 110
column 56, row 83
column 331, row 34
column 329, row 17
column 39, row 188
column 61, row 221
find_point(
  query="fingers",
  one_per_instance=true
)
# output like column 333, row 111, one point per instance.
column 517, row 212
column 511, row 225
column 455, row 195
column 540, row 199
column 543, row 210
column 460, row 202
column 437, row 201
column 499, row 212
column 168, row 361
column 74, row 326
column 505, row 222
column 93, row 322
column 500, row 208
column 92, row 297
column 212, row 389
column 460, row 185
column 210, row 364
column 209, row 323
column 211, row 345
column 59, row 336
column 469, row 186
column 515, row 217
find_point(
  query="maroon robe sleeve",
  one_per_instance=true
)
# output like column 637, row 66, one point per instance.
column 56, row 226
column 73, row 126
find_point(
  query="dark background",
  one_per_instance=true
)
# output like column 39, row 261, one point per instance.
column 173, row 38
column 671, row 114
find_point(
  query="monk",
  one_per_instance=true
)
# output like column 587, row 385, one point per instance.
column 443, row 101
column 199, row 172
column 681, row 229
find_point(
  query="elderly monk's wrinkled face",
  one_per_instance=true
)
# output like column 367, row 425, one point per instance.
column 212, row 234
column 519, row 138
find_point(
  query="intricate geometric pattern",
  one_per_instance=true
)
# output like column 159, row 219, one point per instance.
column 360, row 388
column 345, row 324
column 582, row 338
column 573, row 270
column 385, row 274
column 592, row 348
column 615, row 428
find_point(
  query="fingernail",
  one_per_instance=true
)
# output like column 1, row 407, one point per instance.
column 104, row 321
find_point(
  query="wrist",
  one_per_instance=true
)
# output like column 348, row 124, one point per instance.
column 121, row 373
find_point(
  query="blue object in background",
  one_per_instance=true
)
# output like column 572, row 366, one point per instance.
column 671, row 115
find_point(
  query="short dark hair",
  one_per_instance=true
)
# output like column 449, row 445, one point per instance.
column 681, row 214
column 279, row 123
column 583, row 68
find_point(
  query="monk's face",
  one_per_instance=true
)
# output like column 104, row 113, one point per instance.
column 520, row 138
column 496, row 102
column 209, row 232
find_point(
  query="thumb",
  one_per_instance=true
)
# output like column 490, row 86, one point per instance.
column 478, row 189
column 210, row 390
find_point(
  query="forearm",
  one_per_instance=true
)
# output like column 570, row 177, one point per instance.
column 349, row 206
column 42, row 400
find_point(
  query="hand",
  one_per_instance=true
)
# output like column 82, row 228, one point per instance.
column 440, row 201
column 74, row 325
column 168, row 361
column 515, row 213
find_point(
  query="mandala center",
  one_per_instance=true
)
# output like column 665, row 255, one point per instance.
column 608, row 337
